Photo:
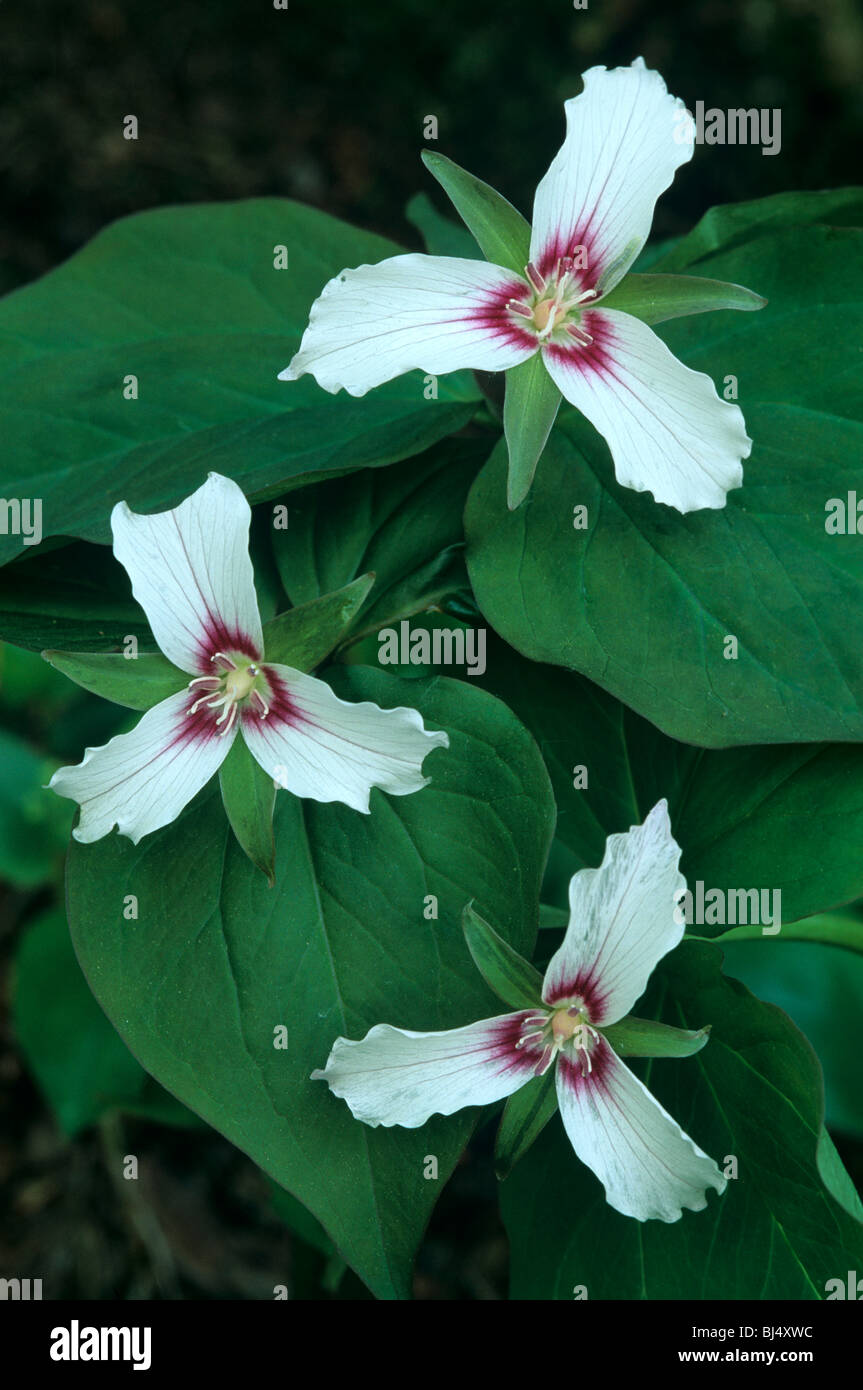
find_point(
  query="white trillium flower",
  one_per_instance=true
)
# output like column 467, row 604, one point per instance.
column 621, row 924
column 192, row 574
column 666, row 428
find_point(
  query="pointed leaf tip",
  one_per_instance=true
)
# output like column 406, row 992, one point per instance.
column 303, row 636
column 513, row 979
column 641, row 1037
column 530, row 409
column 657, row 298
column 498, row 228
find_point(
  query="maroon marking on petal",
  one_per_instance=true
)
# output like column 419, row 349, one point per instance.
column 502, row 1045
column 597, row 1079
column 283, row 710
column 585, row 985
column 199, row 727
column 218, row 637
column 492, row 314
column 597, row 356
column 567, row 244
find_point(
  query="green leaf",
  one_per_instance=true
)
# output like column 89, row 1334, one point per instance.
column 827, row 928
column 735, row 224
column 137, row 683
column 740, row 815
column 501, row 232
column 34, row 824
column 644, row 1037
column 821, row 989
column 512, row 978
column 753, row 1093
column 655, row 298
column 218, row 961
column 76, row 597
column 441, row 236
column 644, row 600
column 404, row 523
column 530, row 407
column 249, row 796
column 79, row 1061
column 303, row 636
column 525, row 1116
column 188, row 301
column 836, row 1178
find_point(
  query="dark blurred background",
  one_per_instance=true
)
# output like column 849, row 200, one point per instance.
column 324, row 103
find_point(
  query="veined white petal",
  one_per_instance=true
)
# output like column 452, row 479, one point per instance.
column 192, row 575
column 319, row 746
column 396, row 1077
column 666, row 428
column 621, row 921
column 625, row 137
column 647, row 1165
column 437, row 313
column 141, row 781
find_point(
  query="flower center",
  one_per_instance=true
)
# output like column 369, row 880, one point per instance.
column 550, row 306
column 565, row 1029
column 237, row 681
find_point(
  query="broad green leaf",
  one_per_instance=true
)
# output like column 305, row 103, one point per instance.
column 79, row 1061
column 655, row 298
column 300, row 1220
column 76, row 597
column 137, row 683
column 741, row 815
column 530, row 407
column 513, row 979
column 525, row 1116
column 754, row 1094
column 441, row 236
column 821, row 989
column 501, row 232
column 34, row 824
column 734, row 224
column 827, row 928
column 201, row 985
column 249, row 796
column 303, row 636
column 737, row 626
column 189, row 302
column 644, row 1037
column 836, row 1178
column 404, row 523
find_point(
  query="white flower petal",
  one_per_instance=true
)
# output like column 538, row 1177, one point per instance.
column 621, row 921
column 647, row 1165
column 319, row 746
column 141, row 781
column 192, row 575
column 666, row 428
column 396, row 1077
column 437, row 313
column 625, row 137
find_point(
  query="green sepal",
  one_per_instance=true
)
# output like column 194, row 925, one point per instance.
column 530, row 407
column 499, row 230
column 136, row 682
column 513, row 979
column 641, row 1037
column 303, row 636
column 525, row 1116
column 655, row 298
column 249, row 795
